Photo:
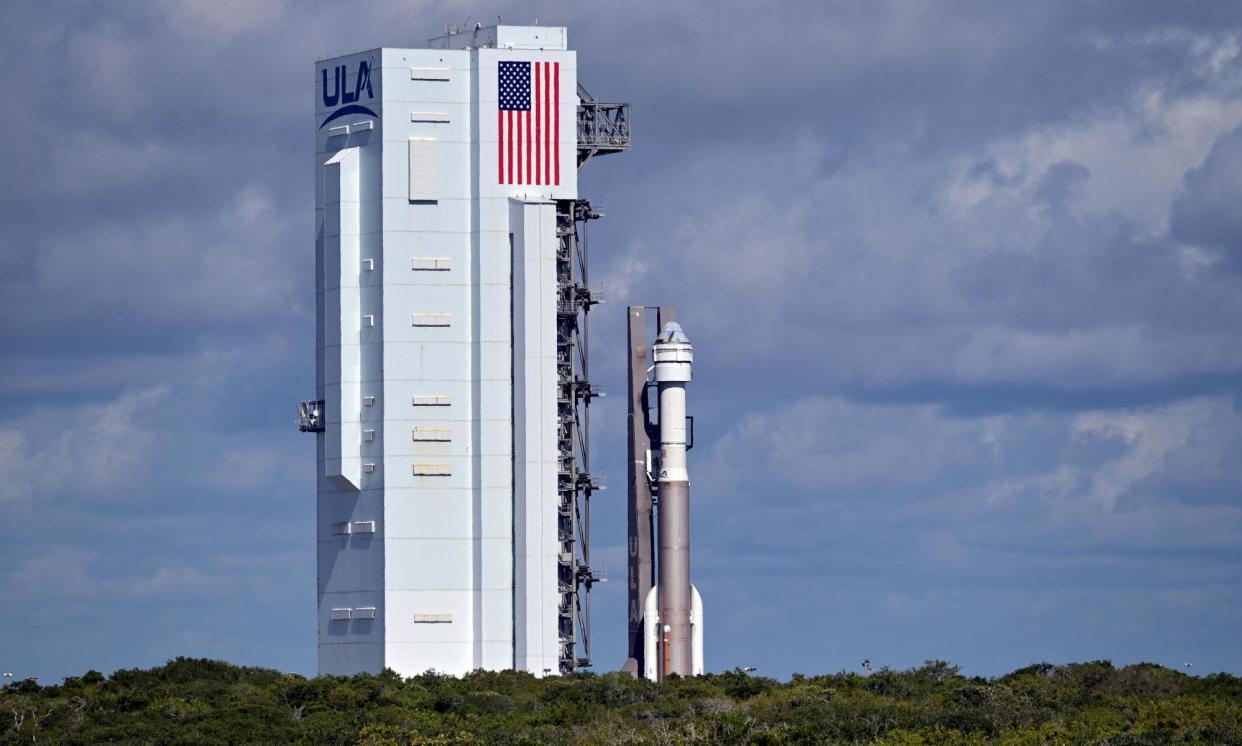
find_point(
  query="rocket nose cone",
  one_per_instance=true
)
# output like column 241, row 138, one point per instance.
column 672, row 333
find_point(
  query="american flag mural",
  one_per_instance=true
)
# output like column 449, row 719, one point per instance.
column 528, row 122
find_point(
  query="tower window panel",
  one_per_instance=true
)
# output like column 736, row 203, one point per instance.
column 429, row 264
column 432, row 400
column 424, row 169
column 433, row 434
column 432, row 469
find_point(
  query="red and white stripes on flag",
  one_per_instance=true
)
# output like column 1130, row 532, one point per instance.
column 528, row 123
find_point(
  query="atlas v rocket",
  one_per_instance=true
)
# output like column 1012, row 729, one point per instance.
column 666, row 611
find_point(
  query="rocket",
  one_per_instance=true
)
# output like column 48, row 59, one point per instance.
column 673, row 613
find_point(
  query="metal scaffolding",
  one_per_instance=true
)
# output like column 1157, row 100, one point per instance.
column 602, row 129
column 576, row 484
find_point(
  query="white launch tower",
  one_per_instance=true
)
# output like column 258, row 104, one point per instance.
column 450, row 414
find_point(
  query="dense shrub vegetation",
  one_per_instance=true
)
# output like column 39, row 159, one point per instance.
column 206, row 702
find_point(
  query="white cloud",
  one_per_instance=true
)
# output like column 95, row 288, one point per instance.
column 76, row 574
column 834, row 445
column 1149, row 438
column 189, row 272
column 254, row 462
column 59, row 572
column 12, row 459
column 905, row 265
column 180, row 580
column 95, row 449
column 1137, row 156
column 1075, row 479
column 228, row 18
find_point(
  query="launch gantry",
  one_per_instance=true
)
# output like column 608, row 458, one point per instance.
column 602, row 129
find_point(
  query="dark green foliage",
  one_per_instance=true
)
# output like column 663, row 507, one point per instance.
column 208, row 702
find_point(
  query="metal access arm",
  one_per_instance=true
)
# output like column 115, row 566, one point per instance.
column 602, row 128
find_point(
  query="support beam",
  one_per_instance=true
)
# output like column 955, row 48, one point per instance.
column 640, row 518
column 640, row 559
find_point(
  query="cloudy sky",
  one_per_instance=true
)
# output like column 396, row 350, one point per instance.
column 964, row 281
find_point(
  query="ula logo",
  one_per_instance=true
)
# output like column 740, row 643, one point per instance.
column 341, row 93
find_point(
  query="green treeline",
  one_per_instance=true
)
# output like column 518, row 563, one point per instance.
column 208, row 702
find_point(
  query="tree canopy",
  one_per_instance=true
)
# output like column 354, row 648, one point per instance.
column 198, row 701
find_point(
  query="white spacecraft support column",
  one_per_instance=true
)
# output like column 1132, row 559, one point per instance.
column 536, row 645
column 673, row 357
column 342, row 299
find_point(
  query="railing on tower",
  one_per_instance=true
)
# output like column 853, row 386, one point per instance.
column 602, row 128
